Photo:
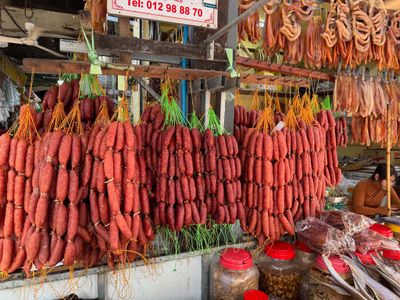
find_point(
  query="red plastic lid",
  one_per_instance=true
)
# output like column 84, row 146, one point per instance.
column 366, row 259
column 254, row 295
column 302, row 247
column 236, row 259
column 382, row 229
column 338, row 264
column 391, row 254
column 280, row 250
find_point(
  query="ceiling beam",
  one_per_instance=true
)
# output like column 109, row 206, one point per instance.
column 54, row 23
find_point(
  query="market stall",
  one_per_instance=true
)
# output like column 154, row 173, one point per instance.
column 211, row 150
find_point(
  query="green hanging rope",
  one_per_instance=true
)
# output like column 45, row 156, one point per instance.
column 95, row 62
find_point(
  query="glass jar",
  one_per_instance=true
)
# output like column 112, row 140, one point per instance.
column 279, row 271
column 304, row 255
column 320, row 276
column 392, row 257
column 306, row 259
column 232, row 275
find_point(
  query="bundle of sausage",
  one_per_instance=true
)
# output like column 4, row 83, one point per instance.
column 125, row 190
column 341, row 132
column 223, row 170
column 57, row 210
column 151, row 124
column 177, row 198
column 16, row 179
column 309, row 175
column 333, row 174
column 285, row 175
column 243, row 120
column 267, row 191
column 67, row 93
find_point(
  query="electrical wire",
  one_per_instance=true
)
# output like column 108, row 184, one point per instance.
column 13, row 20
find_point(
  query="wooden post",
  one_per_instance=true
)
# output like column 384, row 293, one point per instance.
column 124, row 28
column 228, row 105
column 388, row 165
column 227, row 12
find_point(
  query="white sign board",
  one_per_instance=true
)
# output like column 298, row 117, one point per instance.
column 188, row 12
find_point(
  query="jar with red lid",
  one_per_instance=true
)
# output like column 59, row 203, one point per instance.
column 320, row 279
column 367, row 260
column 382, row 229
column 280, row 271
column 255, row 295
column 306, row 258
column 232, row 274
column 304, row 255
column 392, row 257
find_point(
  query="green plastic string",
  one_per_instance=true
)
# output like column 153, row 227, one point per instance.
column 172, row 111
column 170, row 108
column 326, row 103
column 69, row 77
column 194, row 122
column 213, row 123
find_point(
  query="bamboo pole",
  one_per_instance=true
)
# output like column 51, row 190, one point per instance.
column 388, row 148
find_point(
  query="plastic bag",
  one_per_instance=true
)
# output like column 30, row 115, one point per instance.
column 323, row 238
column 347, row 185
column 350, row 223
column 371, row 240
column 10, row 92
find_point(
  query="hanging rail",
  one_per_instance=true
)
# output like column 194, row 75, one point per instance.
column 283, row 69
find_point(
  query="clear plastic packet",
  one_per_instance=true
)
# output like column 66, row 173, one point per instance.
column 11, row 93
column 323, row 238
column 371, row 240
column 350, row 223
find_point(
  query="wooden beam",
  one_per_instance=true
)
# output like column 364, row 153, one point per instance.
column 142, row 48
column 73, row 46
column 54, row 23
column 274, row 80
column 283, row 69
column 216, row 84
column 50, row 66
